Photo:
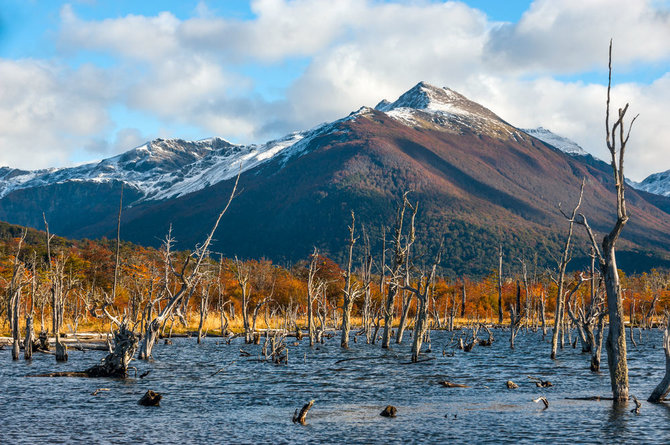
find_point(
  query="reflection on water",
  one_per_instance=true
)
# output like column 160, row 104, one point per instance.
column 252, row 402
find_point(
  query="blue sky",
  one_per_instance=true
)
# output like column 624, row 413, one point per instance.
column 84, row 80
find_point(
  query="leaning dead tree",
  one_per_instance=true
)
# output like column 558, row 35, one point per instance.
column 401, row 246
column 559, row 313
column 616, row 138
column 186, row 280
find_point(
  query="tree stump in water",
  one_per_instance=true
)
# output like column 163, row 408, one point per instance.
column 61, row 350
column 16, row 347
column 28, row 342
column 43, row 341
column 116, row 362
column 300, row 417
column 389, row 411
column 150, row 398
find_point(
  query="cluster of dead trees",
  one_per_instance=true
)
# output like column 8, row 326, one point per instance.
column 392, row 291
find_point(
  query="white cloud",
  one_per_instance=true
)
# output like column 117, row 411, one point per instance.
column 46, row 111
column 567, row 36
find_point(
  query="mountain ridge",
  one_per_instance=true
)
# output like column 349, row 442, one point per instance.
column 479, row 180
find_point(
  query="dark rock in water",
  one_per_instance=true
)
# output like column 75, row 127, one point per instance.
column 389, row 411
column 151, row 398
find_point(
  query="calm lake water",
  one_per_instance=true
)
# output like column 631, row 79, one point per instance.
column 252, row 401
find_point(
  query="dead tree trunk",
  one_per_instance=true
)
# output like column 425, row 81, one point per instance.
column 663, row 388
column 401, row 250
column 421, row 292
column 597, row 345
column 516, row 316
column 313, row 291
column 243, row 274
column 543, row 317
column 204, row 311
column 351, row 290
column 500, row 284
column 616, row 339
column 367, row 288
column 404, row 312
column 16, row 340
column 15, row 285
column 560, row 280
column 30, row 338
column 463, row 296
column 221, row 304
column 56, row 277
column 322, row 312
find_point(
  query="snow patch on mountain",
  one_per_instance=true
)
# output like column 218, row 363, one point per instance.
column 562, row 143
column 658, row 183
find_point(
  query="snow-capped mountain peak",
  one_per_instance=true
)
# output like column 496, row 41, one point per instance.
column 443, row 109
column 429, row 98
